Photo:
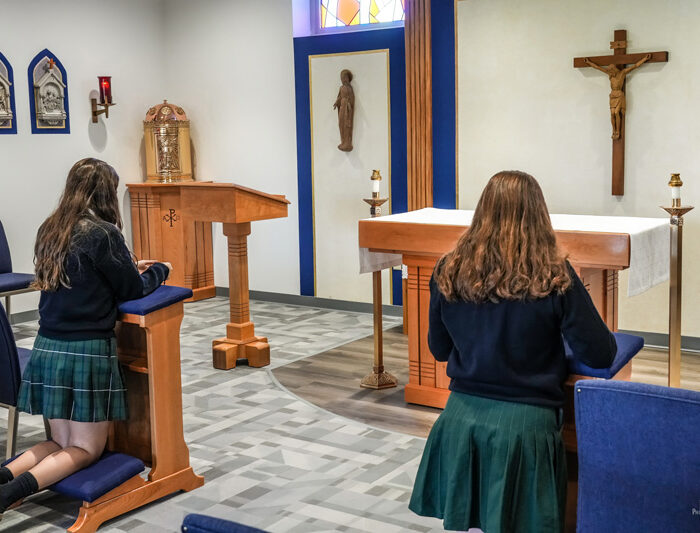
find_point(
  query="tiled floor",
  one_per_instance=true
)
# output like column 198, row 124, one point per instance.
column 270, row 459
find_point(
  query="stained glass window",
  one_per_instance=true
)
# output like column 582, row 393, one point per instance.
column 341, row 13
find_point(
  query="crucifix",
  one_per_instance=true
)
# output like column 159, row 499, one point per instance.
column 616, row 68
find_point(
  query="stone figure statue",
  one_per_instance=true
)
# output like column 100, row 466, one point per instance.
column 345, row 104
column 51, row 101
column 617, row 93
column 4, row 106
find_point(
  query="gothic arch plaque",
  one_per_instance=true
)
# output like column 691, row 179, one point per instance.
column 8, row 112
column 48, row 94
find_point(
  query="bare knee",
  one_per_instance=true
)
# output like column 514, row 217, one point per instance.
column 90, row 437
column 60, row 432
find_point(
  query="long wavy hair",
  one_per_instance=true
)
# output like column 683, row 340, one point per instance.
column 509, row 252
column 90, row 196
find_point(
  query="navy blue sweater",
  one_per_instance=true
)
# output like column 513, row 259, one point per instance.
column 513, row 350
column 101, row 274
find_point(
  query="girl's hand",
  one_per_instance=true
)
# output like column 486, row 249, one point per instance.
column 143, row 265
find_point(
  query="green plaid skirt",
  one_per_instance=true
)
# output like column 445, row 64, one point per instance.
column 495, row 465
column 74, row 380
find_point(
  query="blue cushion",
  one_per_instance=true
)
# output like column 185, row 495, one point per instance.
column 10, row 370
column 627, row 347
column 14, row 281
column 5, row 259
column 163, row 296
column 98, row 479
column 198, row 523
column 639, row 466
column 24, row 354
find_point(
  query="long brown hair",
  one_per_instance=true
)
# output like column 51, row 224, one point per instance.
column 90, row 196
column 509, row 252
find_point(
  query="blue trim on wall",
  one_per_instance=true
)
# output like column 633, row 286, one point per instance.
column 393, row 39
column 32, row 104
column 444, row 104
column 11, row 79
column 397, row 286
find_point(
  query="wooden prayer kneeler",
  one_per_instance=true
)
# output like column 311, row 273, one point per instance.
column 148, row 343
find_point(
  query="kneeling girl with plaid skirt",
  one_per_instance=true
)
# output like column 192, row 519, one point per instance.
column 500, row 305
column 73, row 378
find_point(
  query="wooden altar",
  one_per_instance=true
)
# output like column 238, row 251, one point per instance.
column 597, row 258
column 172, row 222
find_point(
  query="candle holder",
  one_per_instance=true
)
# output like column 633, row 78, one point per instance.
column 378, row 378
column 676, row 280
column 105, row 102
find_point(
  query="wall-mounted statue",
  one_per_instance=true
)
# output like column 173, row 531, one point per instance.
column 49, row 99
column 345, row 104
column 8, row 121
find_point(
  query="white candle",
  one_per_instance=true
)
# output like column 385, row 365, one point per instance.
column 675, row 193
column 375, row 185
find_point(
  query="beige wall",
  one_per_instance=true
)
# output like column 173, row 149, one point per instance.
column 523, row 106
column 341, row 179
column 231, row 66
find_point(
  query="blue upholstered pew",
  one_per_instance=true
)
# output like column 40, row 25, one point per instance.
column 148, row 341
column 638, row 456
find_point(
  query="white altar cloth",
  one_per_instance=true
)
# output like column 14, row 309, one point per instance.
column 649, row 240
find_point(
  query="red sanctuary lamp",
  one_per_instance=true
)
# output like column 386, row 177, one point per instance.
column 105, row 89
column 105, row 83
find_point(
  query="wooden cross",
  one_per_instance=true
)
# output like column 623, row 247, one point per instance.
column 620, row 58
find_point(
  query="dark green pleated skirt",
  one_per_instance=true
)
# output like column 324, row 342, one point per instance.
column 495, row 465
column 74, row 380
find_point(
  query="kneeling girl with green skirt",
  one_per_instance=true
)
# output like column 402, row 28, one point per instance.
column 73, row 378
column 501, row 304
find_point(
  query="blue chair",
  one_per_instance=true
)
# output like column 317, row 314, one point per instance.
column 639, row 457
column 12, row 363
column 198, row 523
column 11, row 282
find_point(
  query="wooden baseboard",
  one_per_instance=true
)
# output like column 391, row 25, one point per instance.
column 423, row 395
column 202, row 293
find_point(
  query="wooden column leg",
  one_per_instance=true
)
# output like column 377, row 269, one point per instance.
column 12, row 417
column 169, row 450
column 378, row 378
column 240, row 341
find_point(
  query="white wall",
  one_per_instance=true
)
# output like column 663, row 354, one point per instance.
column 341, row 179
column 122, row 39
column 522, row 105
column 230, row 65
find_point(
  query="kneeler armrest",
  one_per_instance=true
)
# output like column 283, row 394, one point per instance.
column 162, row 297
column 627, row 347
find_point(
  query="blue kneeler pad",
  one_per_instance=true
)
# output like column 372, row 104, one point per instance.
column 199, row 523
column 162, row 297
column 627, row 347
column 98, row 479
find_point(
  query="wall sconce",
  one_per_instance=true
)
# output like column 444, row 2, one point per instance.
column 105, row 102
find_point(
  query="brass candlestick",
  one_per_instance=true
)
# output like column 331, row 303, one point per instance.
column 676, row 282
column 378, row 378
